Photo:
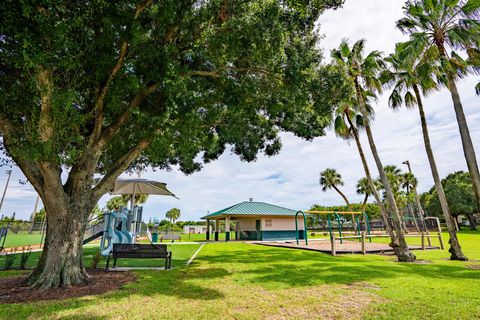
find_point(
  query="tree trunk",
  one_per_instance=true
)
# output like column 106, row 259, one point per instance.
column 455, row 249
column 467, row 143
column 375, row 194
column 402, row 251
column 343, row 196
column 365, row 200
column 473, row 223
column 468, row 149
column 67, row 213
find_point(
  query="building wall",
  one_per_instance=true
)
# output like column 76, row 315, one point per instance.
column 247, row 224
column 198, row 229
column 281, row 228
column 281, row 223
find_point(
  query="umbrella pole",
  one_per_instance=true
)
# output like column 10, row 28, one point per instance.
column 134, row 224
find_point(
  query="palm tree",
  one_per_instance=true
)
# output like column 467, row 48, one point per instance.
column 438, row 24
column 409, row 77
column 331, row 179
column 173, row 215
column 362, row 71
column 348, row 121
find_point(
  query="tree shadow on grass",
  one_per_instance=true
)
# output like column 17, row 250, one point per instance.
column 304, row 268
column 263, row 266
column 149, row 283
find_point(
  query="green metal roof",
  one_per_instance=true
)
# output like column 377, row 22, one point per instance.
column 251, row 208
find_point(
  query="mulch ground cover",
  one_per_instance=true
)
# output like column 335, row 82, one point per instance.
column 101, row 281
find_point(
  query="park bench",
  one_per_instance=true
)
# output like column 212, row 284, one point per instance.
column 171, row 237
column 137, row 250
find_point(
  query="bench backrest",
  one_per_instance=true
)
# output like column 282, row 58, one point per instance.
column 171, row 237
column 139, row 250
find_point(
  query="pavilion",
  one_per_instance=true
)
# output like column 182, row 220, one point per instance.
column 258, row 221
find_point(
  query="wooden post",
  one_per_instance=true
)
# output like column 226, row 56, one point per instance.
column 423, row 241
column 333, row 242
column 441, row 241
column 364, row 249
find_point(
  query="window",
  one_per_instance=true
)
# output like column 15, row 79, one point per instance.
column 268, row 222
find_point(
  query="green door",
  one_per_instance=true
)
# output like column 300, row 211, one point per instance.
column 258, row 227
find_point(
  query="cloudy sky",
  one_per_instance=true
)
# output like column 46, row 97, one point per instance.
column 291, row 178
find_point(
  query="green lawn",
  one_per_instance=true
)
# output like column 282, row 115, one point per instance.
column 181, row 253
column 246, row 281
column 22, row 239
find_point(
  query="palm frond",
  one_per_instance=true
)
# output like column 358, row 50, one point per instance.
column 477, row 89
column 471, row 7
column 395, row 100
column 410, row 100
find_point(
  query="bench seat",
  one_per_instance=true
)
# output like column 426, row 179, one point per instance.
column 140, row 250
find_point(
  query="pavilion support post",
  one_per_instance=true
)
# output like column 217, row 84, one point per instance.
column 217, row 227
column 227, row 229
column 208, row 231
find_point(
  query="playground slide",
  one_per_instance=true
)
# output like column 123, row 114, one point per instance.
column 94, row 237
column 119, row 236
column 112, row 234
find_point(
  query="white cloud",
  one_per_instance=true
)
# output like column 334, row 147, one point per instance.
column 398, row 136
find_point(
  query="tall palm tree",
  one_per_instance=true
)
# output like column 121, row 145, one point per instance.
column 409, row 76
column 347, row 123
column 453, row 24
column 331, row 179
column 363, row 71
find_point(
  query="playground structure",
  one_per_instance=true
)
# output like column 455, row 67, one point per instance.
column 117, row 227
column 4, row 233
column 356, row 243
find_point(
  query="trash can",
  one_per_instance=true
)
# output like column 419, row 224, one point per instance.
column 155, row 237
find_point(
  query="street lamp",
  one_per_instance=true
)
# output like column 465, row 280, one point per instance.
column 417, row 198
column 9, row 172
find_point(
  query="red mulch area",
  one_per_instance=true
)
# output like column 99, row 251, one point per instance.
column 12, row 291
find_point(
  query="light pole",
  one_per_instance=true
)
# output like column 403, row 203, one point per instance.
column 9, row 172
column 417, row 199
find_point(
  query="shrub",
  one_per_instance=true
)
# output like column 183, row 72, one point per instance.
column 26, row 252
column 10, row 258
column 96, row 259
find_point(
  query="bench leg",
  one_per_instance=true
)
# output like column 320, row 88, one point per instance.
column 166, row 263
column 108, row 262
column 114, row 262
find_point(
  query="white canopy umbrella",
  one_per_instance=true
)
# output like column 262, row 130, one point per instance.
column 140, row 186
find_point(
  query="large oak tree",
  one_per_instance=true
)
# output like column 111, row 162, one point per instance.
column 100, row 87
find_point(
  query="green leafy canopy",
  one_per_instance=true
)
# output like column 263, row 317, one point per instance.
column 188, row 78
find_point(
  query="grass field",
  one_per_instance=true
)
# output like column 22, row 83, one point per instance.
column 25, row 239
column 22, row 239
column 245, row 281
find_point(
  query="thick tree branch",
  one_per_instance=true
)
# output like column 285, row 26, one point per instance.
column 108, row 181
column 45, row 87
column 218, row 73
column 102, row 93
column 111, row 130
column 100, row 102
column 29, row 168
